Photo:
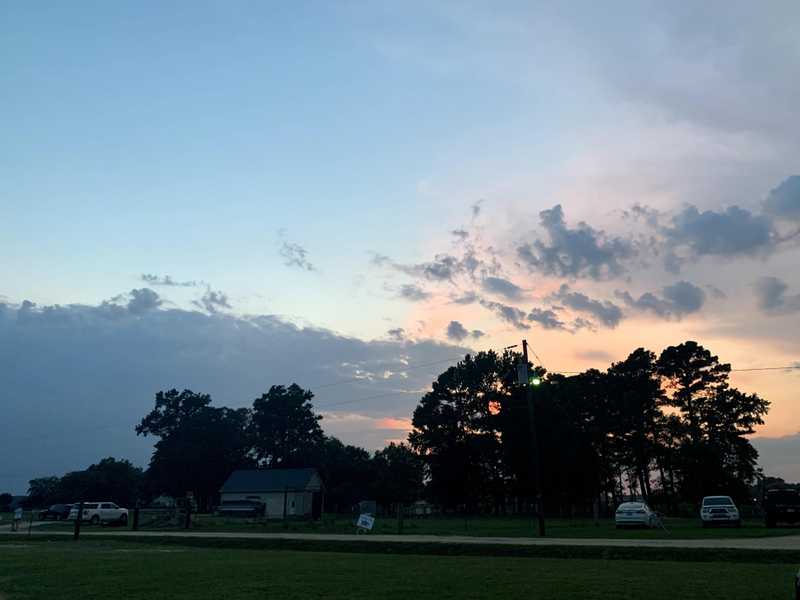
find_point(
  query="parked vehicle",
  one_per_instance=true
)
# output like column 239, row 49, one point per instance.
column 781, row 505
column 100, row 512
column 719, row 510
column 56, row 511
column 241, row 508
column 635, row 514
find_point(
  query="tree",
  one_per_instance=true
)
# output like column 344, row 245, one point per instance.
column 5, row 501
column 43, row 491
column 399, row 474
column 109, row 480
column 286, row 432
column 199, row 444
column 455, row 431
column 347, row 471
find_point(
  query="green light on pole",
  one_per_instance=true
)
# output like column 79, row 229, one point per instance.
column 535, row 381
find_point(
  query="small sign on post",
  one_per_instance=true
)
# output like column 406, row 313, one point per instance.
column 365, row 523
column 522, row 373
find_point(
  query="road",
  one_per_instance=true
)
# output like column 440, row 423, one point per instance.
column 789, row 542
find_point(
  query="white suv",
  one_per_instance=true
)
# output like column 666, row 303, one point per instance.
column 100, row 512
column 719, row 509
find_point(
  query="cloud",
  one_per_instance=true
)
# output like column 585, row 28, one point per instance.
column 772, row 298
column 733, row 232
column 166, row 281
column 509, row 314
column 546, row 318
column 461, row 234
column 576, row 252
column 412, row 292
column 398, row 334
column 294, row 255
column 676, row 301
column 784, row 201
column 75, row 379
column 142, row 301
column 456, row 331
column 468, row 297
column 502, row 287
column 212, row 301
column 604, row 311
column 476, row 208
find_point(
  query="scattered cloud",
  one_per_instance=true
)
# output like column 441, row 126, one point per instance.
column 143, row 300
column 412, row 292
column 166, row 281
column 461, row 234
column 476, row 208
column 784, row 201
column 458, row 333
column 213, row 301
column 398, row 334
column 772, row 297
column 502, row 287
column 676, row 301
column 294, row 255
column 509, row 314
column 607, row 313
column 735, row 231
column 600, row 356
column 546, row 318
column 576, row 252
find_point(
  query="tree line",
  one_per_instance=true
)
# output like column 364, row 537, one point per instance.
column 669, row 428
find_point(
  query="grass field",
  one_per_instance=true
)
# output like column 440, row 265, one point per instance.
column 485, row 526
column 66, row 570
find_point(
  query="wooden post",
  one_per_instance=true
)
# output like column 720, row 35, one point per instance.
column 30, row 524
column 285, row 499
column 77, row 533
column 400, row 516
column 136, row 517
column 188, row 514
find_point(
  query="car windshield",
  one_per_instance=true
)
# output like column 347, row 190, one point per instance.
column 717, row 501
column 631, row 506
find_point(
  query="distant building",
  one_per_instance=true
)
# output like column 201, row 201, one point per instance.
column 298, row 491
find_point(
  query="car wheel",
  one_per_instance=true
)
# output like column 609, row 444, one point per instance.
column 95, row 520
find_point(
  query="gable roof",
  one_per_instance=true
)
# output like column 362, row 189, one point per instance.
column 272, row 480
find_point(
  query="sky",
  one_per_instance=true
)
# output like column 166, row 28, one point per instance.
column 223, row 196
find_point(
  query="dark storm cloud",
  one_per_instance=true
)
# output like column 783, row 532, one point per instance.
column 502, row 287
column 784, row 201
column 675, row 301
column 212, row 301
column 412, row 292
column 604, row 311
column 576, row 252
column 772, row 297
column 294, row 255
column 75, row 380
column 509, row 314
column 547, row 318
column 142, row 301
column 732, row 232
column 166, row 281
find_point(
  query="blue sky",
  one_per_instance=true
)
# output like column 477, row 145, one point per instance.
column 310, row 163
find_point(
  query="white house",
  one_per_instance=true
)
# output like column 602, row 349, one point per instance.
column 284, row 492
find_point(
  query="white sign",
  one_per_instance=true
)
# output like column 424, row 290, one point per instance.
column 365, row 522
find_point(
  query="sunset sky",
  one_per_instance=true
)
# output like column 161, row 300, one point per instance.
column 227, row 195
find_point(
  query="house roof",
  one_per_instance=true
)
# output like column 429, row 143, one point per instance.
column 272, row 480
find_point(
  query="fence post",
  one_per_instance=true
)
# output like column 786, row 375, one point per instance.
column 399, row 518
column 77, row 533
column 285, row 499
column 136, row 517
column 188, row 515
column 30, row 523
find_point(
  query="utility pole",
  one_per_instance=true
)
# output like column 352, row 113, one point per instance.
column 537, row 471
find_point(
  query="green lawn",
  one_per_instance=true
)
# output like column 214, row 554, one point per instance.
column 88, row 570
column 474, row 526
column 491, row 526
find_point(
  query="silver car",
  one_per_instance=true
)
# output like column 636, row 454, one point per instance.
column 719, row 510
column 635, row 514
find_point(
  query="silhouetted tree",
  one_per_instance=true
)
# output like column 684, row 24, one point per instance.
column 43, row 491
column 399, row 474
column 199, row 444
column 286, row 432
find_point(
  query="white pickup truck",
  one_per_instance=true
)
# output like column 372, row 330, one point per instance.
column 100, row 512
